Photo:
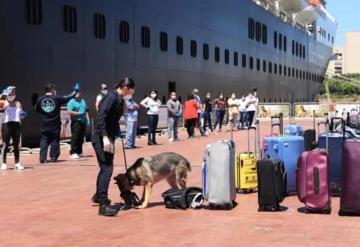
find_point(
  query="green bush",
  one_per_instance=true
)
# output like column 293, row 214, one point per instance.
column 339, row 85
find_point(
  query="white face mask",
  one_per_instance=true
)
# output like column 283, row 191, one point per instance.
column 153, row 95
column 173, row 97
column 127, row 97
column 11, row 98
column 104, row 92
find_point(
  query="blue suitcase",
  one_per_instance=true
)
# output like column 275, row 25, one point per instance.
column 334, row 148
column 286, row 148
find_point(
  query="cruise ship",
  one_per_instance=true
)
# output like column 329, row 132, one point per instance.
column 280, row 47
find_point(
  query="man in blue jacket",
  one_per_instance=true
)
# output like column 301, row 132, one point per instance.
column 107, row 128
column 49, row 107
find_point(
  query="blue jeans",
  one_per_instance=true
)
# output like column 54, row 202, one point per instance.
column 52, row 139
column 219, row 118
column 131, row 132
column 207, row 120
column 152, row 126
column 173, row 127
column 242, row 119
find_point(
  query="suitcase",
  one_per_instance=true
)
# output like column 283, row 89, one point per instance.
column 245, row 165
column 219, row 174
column 312, row 180
column 288, row 149
column 294, row 130
column 271, row 184
column 310, row 137
column 350, row 198
column 335, row 142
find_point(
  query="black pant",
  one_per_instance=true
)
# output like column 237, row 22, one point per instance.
column 219, row 118
column 77, row 137
column 52, row 139
column 190, row 126
column 11, row 130
column 207, row 120
column 152, row 126
column 106, row 164
column 251, row 115
column 199, row 125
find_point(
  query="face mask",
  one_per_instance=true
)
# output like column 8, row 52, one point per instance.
column 11, row 98
column 221, row 97
column 208, row 97
column 127, row 97
column 153, row 95
column 173, row 97
column 104, row 92
column 233, row 97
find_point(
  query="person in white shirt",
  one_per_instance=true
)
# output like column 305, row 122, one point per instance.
column 233, row 109
column 242, row 124
column 11, row 128
column 252, row 102
column 152, row 104
column 103, row 92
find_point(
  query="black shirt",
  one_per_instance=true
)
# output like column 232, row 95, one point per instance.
column 49, row 107
column 111, row 108
column 208, row 105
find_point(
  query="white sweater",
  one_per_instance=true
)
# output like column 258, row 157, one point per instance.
column 152, row 105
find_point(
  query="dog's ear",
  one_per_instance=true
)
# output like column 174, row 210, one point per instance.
column 138, row 162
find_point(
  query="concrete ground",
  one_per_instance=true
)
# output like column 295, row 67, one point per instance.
column 49, row 205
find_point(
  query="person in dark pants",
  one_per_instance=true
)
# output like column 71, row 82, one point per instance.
column 191, row 115
column 49, row 107
column 107, row 127
column 77, row 110
column 153, row 104
column 220, row 106
column 207, row 113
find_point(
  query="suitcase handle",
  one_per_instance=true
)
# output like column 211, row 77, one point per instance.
column 280, row 124
column 255, row 132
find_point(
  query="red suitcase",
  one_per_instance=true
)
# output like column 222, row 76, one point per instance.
column 312, row 175
column 350, row 198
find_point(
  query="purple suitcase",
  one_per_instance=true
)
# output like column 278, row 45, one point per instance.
column 350, row 198
column 312, row 180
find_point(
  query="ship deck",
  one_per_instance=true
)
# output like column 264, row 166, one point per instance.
column 50, row 206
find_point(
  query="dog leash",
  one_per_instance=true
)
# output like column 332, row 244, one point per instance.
column 124, row 152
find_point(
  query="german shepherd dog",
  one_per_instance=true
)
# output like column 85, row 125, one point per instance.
column 149, row 170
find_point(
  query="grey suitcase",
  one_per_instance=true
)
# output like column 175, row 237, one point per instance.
column 220, row 174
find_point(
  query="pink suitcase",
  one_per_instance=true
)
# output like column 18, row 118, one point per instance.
column 350, row 165
column 312, row 180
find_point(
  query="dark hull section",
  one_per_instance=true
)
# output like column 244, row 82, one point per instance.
column 32, row 55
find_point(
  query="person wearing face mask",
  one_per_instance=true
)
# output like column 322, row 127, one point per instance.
column 200, row 119
column 107, row 127
column 233, row 105
column 174, row 112
column 49, row 107
column 103, row 92
column 252, row 102
column 131, row 119
column 152, row 104
column 207, row 112
column 242, row 112
column 77, row 109
column 220, row 106
column 11, row 128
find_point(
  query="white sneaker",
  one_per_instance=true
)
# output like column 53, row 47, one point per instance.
column 3, row 167
column 18, row 166
column 171, row 140
column 74, row 157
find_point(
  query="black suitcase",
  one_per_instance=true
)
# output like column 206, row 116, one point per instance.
column 271, row 184
column 310, row 136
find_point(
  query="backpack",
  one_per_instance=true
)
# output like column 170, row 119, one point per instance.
column 183, row 198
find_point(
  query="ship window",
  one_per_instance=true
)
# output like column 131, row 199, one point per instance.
column 33, row 12
column 179, row 45
column 163, row 41
column 99, row 26
column 275, row 68
column 243, row 60
column 193, row 48
column 270, row 67
column 264, row 34
column 304, row 52
column 280, row 69
column 289, row 71
column 285, row 70
column 257, row 64
column 251, row 61
column 293, row 72
column 285, row 43
column 264, row 66
column 236, row 58
column 280, row 41
column 297, row 49
column 293, row 47
column 217, row 54
column 124, row 32
column 206, row 51
column 145, row 37
column 226, row 56
column 300, row 74
column 275, row 39
column 297, row 73
column 69, row 19
column 251, row 27
column 258, row 31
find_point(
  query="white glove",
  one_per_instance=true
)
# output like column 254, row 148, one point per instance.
column 108, row 145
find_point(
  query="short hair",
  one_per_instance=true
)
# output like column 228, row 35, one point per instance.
column 126, row 82
column 190, row 97
column 49, row 87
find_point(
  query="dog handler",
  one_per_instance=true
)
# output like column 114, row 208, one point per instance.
column 107, row 128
